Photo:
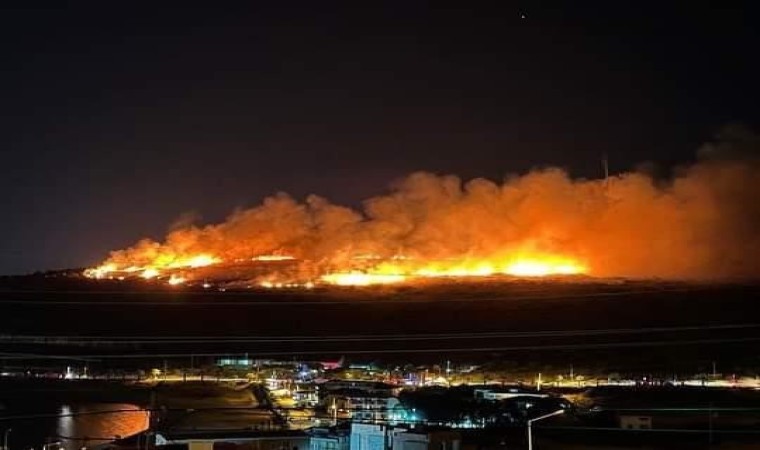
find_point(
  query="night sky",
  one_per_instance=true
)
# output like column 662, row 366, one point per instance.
column 117, row 121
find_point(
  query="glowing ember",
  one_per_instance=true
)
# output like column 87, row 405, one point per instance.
column 265, row 258
column 175, row 280
column 279, row 285
column 361, row 279
column 150, row 273
column 100, row 271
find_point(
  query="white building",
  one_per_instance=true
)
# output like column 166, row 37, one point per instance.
column 496, row 394
column 366, row 436
column 372, row 387
column 329, row 439
column 383, row 437
column 252, row 440
column 360, row 406
column 422, row 439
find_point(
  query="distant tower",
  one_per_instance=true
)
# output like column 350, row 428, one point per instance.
column 606, row 169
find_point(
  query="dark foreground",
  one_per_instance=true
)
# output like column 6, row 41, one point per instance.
column 617, row 325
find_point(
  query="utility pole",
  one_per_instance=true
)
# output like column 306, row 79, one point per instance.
column 152, row 420
column 530, row 425
column 606, row 170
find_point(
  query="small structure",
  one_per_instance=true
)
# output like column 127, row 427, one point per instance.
column 371, row 387
column 366, row 436
column 251, row 440
column 427, row 439
column 384, row 437
column 332, row 438
column 504, row 393
column 360, row 405
column 240, row 363
column 635, row 422
column 306, row 395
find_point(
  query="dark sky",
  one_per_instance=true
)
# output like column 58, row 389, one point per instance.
column 118, row 120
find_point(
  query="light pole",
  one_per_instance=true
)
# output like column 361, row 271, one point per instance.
column 530, row 424
column 5, row 439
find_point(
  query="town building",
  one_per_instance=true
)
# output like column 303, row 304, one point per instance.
column 365, row 436
column 360, row 405
column 331, row 438
column 504, row 393
column 427, row 439
column 306, row 395
column 371, row 387
column 251, row 440
column 385, row 437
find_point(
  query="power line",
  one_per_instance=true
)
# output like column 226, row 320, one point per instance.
column 353, row 351
column 65, row 339
column 652, row 430
column 397, row 300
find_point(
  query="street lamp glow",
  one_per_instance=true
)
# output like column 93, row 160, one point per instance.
column 5, row 438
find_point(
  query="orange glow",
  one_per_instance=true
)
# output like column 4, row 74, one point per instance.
column 391, row 270
column 697, row 225
column 541, row 268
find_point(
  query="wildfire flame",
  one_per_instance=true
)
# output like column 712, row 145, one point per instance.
column 155, row 268
column 101, row 271
column 395, row 270
column 390, row 273
column 702, row 224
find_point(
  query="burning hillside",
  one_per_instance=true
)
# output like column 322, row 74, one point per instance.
column 701, row 224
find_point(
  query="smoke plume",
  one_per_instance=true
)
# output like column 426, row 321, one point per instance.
column 703, row 222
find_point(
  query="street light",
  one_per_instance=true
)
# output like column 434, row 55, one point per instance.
column 530, row 423
column 49, row 445
column 5, row 439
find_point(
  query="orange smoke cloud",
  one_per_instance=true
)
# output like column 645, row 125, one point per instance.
column 701, row 224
